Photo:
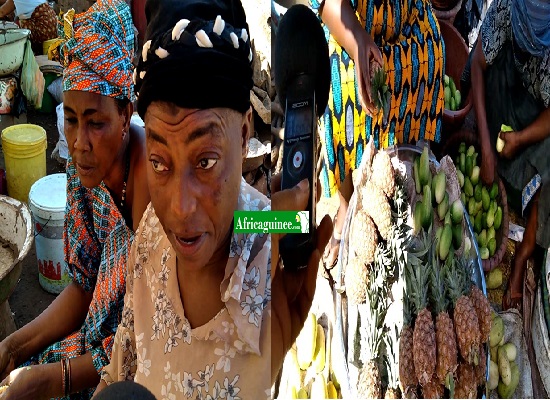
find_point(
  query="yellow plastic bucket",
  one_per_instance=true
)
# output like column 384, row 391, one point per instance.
column 24, row 148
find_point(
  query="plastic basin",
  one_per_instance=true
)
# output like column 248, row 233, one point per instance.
column 12, row 49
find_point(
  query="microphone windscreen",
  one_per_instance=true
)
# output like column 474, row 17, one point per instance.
column 125, row 390
column 301, row 48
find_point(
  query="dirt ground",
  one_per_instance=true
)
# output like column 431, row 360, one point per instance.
column 29, row 299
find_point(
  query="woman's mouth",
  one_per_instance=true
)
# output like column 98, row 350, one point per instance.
column 189, row 244
column 84, row 170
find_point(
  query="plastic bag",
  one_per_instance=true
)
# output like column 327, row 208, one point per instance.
column 61, row 151
column 32, row 79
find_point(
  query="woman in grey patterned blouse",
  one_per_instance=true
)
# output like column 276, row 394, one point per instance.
column 510, row 71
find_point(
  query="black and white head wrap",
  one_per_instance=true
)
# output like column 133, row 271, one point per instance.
column 197, row 54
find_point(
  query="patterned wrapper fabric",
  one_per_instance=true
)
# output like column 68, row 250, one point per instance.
column 407, row 34
column 98, row 50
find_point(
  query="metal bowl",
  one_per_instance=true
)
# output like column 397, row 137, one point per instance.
column 408, row 153
column 16, row 230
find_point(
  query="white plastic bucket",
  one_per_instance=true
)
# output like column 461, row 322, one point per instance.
column 47, row 200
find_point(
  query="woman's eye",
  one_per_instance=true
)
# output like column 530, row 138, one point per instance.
column 96, row 125
column 207, row 163
column 158, row 166
column 70, row 121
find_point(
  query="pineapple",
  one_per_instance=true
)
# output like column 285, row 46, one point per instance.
column 481, row 368
column 382, row 173
column 464, row 315
column 399, row 237
column 378, row 207
column 433, row 389
column 466, row 387
column 372, row 314
column 424, row 345
column 363, row 237
column 444, row 331
column 483, row 311
column 391, row 340
column 356, row 280
column 407, row 376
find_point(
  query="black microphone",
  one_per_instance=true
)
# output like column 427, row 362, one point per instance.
column 302, row 79
column 125, row 390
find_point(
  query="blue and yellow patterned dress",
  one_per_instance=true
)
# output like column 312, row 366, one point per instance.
column 407, row 33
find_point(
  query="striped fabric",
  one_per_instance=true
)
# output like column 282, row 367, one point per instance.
column 97, row 242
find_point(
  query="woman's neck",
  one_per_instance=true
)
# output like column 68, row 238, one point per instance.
column 117, row 179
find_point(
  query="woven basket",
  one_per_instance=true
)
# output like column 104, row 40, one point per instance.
column 501, row 235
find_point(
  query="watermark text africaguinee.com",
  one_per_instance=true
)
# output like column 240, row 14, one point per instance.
column 271, row 221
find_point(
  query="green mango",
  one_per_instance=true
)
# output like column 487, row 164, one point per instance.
column 462, row 147
column 445, row 242
column 485, row 198
column 483, row 238
column 458, row 99
column 452, row 85
column 477, row 192
column 424, row 167
column 443, row 206
column 447, row 80
column 472, row 206
column 492, row 246
column 460, row 177
column 457, row 236
column 471, row 151
column 498, row 218
column 417, row 183
column 491, row 233
column 447, row 92
column 484, row 253
column 475, row 175
column 463, row 197
column 469, row 166
column 457, row 212
column 462, row 165
column 452, row 104
column 468, row 188
column 477, row 222
column 494, row 191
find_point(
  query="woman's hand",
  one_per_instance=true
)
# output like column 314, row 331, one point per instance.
column 292, row 291
column 512, row 144
column 31, row 383
column 8, row 358
column 367, row 59
column 488, row 161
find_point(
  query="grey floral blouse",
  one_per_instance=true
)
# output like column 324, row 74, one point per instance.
column 496, row 30
column 228, row 357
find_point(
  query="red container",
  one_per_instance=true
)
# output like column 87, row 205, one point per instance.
column 456, row 57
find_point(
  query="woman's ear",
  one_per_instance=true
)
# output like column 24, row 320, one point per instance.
column 246, row 132
column 127, row 115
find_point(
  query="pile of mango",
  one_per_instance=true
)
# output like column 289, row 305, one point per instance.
column 503, row 369
column 479, row 200
column 453, row 98
column 435, row 199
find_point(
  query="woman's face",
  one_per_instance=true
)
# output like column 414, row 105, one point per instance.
column 93, row 128
column 194, row 173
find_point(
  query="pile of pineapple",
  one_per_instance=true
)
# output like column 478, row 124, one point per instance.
column 422, row 325
column 378, row 235
column 447, row 321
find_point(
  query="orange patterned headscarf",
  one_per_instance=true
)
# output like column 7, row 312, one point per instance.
column 97, row 54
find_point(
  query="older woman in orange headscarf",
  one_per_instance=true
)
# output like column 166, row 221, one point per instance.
column 64, row 349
